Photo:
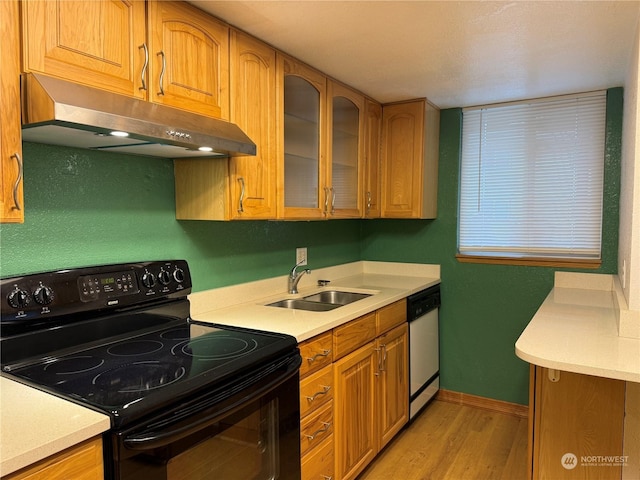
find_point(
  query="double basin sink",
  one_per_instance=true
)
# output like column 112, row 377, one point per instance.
column 321, row 301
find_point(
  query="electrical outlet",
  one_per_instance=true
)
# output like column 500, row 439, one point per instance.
column 301, row 256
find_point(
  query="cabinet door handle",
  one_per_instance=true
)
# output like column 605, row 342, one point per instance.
column 368, row 201
column 317, row 394
column 327, row 478
column 324, row 353
column 164, row 67
column 16, row 186
column 383, row 365
column 143, row 74
column 325, row 428
column 240, row 207
column 326, row 200
column 333, row 200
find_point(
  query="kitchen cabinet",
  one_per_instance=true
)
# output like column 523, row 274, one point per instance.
column 574, row 418
column 302, row 126
column 80, row 462
column 98, row 43
column 242, row 187
column 345, row 139
column 188, row 59
column 11, row 165
column 410, row 136
column 174, row 54
column 372, row 138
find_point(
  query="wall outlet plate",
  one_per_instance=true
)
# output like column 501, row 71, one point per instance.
column 301, row 256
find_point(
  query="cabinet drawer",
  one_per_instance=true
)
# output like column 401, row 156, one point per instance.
column 353, row 335
column 316, row 427
column 316, row 390
column 316, row 353
column 318, row 464
column 391, row 316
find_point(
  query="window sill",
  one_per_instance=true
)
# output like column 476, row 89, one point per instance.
column 530, row 261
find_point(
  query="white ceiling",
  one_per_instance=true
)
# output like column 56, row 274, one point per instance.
column 456, row 54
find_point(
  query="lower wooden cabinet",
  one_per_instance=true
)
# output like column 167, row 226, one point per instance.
column 354, row 393
column 575, row 426
column 80, row 462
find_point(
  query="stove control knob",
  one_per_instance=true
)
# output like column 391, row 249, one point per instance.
column 43, row 295
column 178, row 275
column 164, row 277
column 149, row 280
column 18, row 298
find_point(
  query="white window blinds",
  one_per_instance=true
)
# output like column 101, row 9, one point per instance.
column 531, row 178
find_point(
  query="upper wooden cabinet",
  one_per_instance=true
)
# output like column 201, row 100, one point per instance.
column 11, row 201
column 302, row 126
column 372, row 137
column 188, row 59
column 242, row 187
column 174, row 54
column 97, row 43
column 345, row 146
column 410, row 135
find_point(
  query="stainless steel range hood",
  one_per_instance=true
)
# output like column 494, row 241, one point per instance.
column 63, row 113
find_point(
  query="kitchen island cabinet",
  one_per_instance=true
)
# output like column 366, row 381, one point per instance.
column 410, row 137
column 11, row 200
column 576, row 425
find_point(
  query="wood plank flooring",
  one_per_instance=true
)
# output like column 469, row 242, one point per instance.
column 455, row 442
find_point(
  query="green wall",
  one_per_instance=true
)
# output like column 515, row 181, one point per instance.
column 485, row 307
column 86, row 208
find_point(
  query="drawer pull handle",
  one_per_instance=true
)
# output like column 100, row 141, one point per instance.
column 324, row 392
column 326, row 427
column 324, row 353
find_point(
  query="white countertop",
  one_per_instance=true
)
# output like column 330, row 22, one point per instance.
column 576, row 330
column 249, row 308
column 34, row 425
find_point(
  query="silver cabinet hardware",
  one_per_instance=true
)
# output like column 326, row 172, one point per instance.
column 164, row 67
column 325, row 428
column 144, row 67
column 324, row 353
column 240, row 207
column 317, row 394
column 16, row 186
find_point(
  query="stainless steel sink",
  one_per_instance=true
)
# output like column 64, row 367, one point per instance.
column 300, row 304
column 321, row 301
column 336, row 297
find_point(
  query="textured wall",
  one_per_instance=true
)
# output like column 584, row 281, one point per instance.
column 85, row 208
column 485, row 307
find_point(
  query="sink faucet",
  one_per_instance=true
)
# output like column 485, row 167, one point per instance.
column 294, row 278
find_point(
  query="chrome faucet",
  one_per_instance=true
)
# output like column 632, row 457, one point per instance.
column 294, row 277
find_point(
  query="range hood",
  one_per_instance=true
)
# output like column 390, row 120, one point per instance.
column 58, row 112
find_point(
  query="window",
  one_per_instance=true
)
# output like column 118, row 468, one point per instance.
column 531, row 179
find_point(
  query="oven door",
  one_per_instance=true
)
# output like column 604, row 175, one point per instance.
column 249, row 430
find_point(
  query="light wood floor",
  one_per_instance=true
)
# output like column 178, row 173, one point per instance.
column 455, row 442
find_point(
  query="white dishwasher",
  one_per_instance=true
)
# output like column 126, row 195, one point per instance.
column 424, row 353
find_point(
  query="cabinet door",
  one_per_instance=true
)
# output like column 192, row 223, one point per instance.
column 393, row 383
column 11, row 201
column 302, row 191
column 576, row 419
column 189, row 59
column 346, row 150
column 355, row 419
column 97, row 43
column 410, row 133
column 253, row 108
column 372, row 136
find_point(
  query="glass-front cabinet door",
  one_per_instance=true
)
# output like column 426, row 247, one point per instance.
column 302, row 180
column 345, row 139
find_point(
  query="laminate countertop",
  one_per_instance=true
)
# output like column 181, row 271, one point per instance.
column 576, row 329
column 35, row 424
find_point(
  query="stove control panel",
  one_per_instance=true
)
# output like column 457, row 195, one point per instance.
column 46, row 295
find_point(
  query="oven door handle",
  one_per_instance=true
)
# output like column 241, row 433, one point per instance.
column 154, row 438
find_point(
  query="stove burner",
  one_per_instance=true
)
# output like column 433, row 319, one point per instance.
column 72, row 365
column 135, row 347
column 139, row 377
column 176, row 334
column 217, row 348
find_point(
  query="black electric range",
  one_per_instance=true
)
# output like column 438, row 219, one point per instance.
column 120, row 339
